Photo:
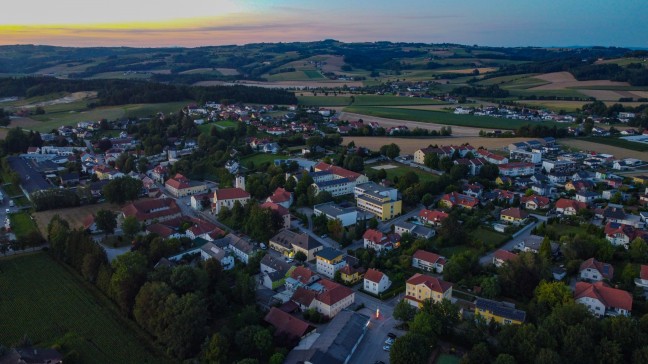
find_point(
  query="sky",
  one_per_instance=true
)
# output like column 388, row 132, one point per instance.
column 191, row 23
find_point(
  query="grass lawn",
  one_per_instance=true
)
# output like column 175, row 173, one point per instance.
column 224, row 124
column 22, row 224
column 22, row 201
column 401, row 170
column 442, row 117
column 447, row 359
column 387, row 100
column 260, row 158
column 452, row 250
column 621, row 143
column 324, row 100
column 46, row 302
column 492, row 239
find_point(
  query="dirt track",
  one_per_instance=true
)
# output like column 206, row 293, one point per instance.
column 410, row 145
column 458, row 131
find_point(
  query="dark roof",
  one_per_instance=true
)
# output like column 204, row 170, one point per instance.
column 329, row 253
column 286, row 323
column 500, row 309
column 30, row 178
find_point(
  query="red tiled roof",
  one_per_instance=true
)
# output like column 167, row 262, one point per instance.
column 643, row 274
column 280, row 195
column 303, row 296
column 504, row 255
column 230, row 193
column 514, row 165
column 274, row 207
column 456, row 198
column 433, row 215
column 88, row 221
column 374, row 236
column 159, row 229
column 610, row 297
column 349, row 270
column 334, row 293
column 541, row 201
column 143, row 210
column 515, row 212
column 373, row 275
column 302, row 274
column 606, row 270
column 344, row 173
column 435, row 284
column 612, row 228
column 287, row 323
column 564, row 203
column 426, row 256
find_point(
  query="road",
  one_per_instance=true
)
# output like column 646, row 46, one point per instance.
column 517, row 238
column 386, row 226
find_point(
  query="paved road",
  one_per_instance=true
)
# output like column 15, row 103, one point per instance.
column 518, row 238
column 386, row 226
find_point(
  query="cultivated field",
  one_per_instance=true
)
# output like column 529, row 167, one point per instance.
column 618, row 152
column 411, row 145
column 285, row 84
column 563, row 80
column 467, row 71
column 73, row 215
column 48, row 304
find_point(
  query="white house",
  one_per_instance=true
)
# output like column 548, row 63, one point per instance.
column 211, row 251
column 602, row 300
column 593, row 270
column 428, row 261
column 376, row 282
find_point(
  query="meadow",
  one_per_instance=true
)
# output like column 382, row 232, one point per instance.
column 22, row 224
column 400, row 171
column 324, row 100
column 50, row 305
column 387, row 100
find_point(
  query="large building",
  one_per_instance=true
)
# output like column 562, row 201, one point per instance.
column 289, row 243
column 347, row 215
column 149, row 211
column 383, row 202
column 420, row 288
column 500, row 312
column 226, row 197
column 336, row 180
column 516, row 169
column 180, row 186
column 603, row 300
column 329, row 261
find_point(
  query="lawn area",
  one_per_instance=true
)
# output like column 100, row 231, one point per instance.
column 260, row 158
column 70, row 114
column 224, row 124
column 45, row 302
column 621, row 143
column 447, row 359
column 401, row 170
column 22, row 224
column 324, row 100
column 387, row 100
column 492, row 239
column 441, row 117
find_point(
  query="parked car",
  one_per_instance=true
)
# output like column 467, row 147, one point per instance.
column 391, row 335
column 387, row 347
column 389, row 341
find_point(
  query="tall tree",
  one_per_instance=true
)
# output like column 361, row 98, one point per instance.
column 106, row 221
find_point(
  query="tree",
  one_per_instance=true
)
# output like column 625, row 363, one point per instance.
column 427, row 199
column 122, row 189
column 478, row 354
column 638, row 251
column 445, row 312
column 300, row 256
column 130, row 227
column 149, row 306
column 409, row 348
column 335, row 228
column 216, row 350
column 431, row 160
column 426, row 325
column 106, row 221
column 183, row 333
column 545, row 248
column 404, row 311
column 552, row 294
column 505, row 359
column 490, row 287
column 459, row 171
column 130, row 273
column 278, row 358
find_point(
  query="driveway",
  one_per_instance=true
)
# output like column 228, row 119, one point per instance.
column 517, row 238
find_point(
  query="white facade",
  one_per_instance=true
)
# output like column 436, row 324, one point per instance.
column 377, row 287
column 595, row 306
column 591, row 274
column 327, row 269
column 335, row 308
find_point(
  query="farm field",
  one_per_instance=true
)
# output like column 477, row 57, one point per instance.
column 562, row 80
column 440, row 117
column 386, row 100
column 49, row 304
column 22, row 224
column 594, row 145
column 74, row 215
column 411, row 145
column 324, row 100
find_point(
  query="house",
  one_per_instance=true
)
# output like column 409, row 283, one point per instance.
column 569, row 207
column 241, row 248
column 351, row 275
column 602, row 300
column 428, row 261
column 289, row 243
column 593, row 270
column 347, row 215
column 579, row 185
column 420, row 288
column 379, row 241
column 89, row 224
column 587, row 197
column 383, row 202
column 180, row 186
column 502, row 256
column 226, row 197
column 452, row 199
column 535, row 202
column 159, row 173
column 517, row 169
column 281, row 197
column 418, row 231
column 432, row 217
column 622, row 234
column 333, row 299
column 287, row 325
column 211, row 251
column 279, row 210
column 642, row 281
column 273, row 271
column 303, row 275
column 197, row 201
column 69, row 179
column 514, row 215
column 376, row 282
column 149, row 211
column 473, row 190
column 329, row 261
column 500, row 312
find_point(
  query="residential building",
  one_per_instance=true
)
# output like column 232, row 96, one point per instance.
column 603, row 300
column 347, row 215
column 150, row 211
column 623, row 235
column 532, row 244
column 273, row 271
column 289, row 243
column 329, row 261
column 642, row 281
column 334, row 299
column 492, row 157
column 428, row 261
column 535, row 202
column 593, row 270
column 281, row 197
column 211, row 251
column 196, row 201
column 340, row 182
column 500, row 312
column 587, row 197
column 379, row 241
column 420, row 288
column 432, row 217
column 226, row 197
column 517, row 169
column 418, row 231
column 452, row 199
column 502, row 256
column 288, row 325
column 350, row 275
column 569, row 207
column 383, row 202
column 514, row 215
column 180, row 186
column 376, row 282
column 283, row 212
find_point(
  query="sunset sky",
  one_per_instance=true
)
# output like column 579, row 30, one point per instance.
column 214, row 22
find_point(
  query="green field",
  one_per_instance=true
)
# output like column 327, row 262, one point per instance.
column 401, row 170
column 313, row 74
column 260, row 158
column 22, row 224
column 45, row 301
column 448, row 359
column 324, row 100
column 386, row 100
column 70, row 114
column 441, row 117
column 621, row 143
column 492, row 239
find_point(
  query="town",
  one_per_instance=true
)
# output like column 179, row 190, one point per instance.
column 343, row 249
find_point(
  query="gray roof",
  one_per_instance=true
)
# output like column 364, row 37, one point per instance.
column 333, row 210
column 332, row 182
column 30, row 178
column 213, row 251
column 329, row 253
column 501, row 309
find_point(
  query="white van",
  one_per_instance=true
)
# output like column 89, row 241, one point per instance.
column 11, row 203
